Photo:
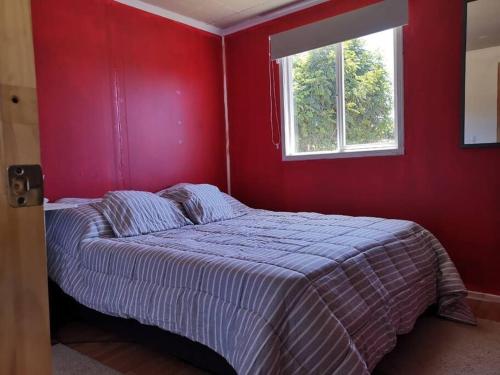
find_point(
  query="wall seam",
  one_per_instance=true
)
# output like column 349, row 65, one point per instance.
column 119, row 182
column 226, row 118
column 120, row 133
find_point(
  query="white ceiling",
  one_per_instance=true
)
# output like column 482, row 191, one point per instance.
column 221, row 16
column 483, row 24
column 221, row 13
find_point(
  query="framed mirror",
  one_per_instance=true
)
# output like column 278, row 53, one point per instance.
column 481, row 102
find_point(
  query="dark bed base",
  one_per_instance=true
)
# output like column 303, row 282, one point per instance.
column 63, row 308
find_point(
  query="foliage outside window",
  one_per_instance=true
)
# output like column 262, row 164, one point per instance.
column 343, row 98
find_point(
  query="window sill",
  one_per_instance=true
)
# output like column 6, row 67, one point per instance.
column 344, row 154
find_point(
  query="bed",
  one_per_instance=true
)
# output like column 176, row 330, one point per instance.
column 271, row 292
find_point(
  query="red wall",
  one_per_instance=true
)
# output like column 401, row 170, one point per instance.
column 453, row 192
column 126, row 99
column 131, row 100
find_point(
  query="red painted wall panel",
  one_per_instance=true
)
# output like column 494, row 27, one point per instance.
column 451, row 191
column 75, row 106
column 127, row 100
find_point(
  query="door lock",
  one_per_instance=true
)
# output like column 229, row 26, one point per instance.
column 25, row 185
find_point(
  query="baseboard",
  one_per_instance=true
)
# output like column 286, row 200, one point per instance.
column 485, row 297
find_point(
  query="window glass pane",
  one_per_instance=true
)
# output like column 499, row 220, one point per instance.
column 369, row 89
column 315, row 103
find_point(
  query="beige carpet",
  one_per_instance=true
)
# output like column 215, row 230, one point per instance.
column 66, row 361
column 440, row 347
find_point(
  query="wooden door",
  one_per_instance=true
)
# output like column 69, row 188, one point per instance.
column 24, row 318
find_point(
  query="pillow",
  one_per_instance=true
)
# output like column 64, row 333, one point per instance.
column 239, row 208
column 132, row 213
column 79, row 201
column 203, row 203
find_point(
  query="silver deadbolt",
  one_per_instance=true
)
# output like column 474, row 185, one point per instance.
column 25, row 185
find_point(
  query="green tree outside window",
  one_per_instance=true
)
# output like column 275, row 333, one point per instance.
column 368, row 92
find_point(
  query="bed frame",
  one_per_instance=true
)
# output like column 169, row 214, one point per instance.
column 64, row 308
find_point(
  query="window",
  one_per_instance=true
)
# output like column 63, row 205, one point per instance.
column 345, row 99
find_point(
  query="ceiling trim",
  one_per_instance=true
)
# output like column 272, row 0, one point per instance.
column 162, row 12
column 271, row 16
column 254, row 21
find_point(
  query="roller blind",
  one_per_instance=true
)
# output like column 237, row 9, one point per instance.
column 381, row 16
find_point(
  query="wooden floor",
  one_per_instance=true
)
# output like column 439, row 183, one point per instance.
column 116, row 350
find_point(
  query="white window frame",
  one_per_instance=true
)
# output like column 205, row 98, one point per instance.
column 344, row 151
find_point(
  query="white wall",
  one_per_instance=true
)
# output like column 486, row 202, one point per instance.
column 481, row 91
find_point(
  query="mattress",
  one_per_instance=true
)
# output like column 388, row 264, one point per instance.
column 272, row 292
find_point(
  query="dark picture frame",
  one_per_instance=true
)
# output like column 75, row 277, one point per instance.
column 464, row 72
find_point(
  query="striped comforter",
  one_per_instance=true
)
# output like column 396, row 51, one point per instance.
column 272, row 292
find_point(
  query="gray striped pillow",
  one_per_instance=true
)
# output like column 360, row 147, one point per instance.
column 203, row 203
column 132, row 213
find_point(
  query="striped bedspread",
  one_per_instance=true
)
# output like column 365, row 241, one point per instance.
column 272, row 292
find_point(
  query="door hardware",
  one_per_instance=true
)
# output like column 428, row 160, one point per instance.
column 25, row 186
